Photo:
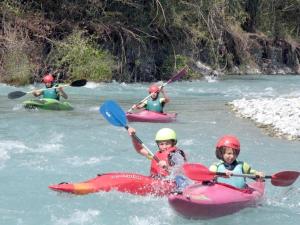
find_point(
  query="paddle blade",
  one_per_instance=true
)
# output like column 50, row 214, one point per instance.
column 196, row 171
column 78, row 83
column 284, row 178
column 177, row 76
column 113, row 113
column 16, row 94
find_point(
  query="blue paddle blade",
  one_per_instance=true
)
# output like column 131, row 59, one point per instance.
column 113, row 113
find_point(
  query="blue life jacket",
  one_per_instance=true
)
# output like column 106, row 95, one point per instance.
column 154, row 105
column 239, row 182
column 50, row 93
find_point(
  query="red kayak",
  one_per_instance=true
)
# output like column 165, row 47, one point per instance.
column 150, row 116
column 124, row 182
column 205, row 201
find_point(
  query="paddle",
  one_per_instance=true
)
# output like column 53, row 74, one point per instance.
column 113, row 113
column 18, row 94
column 177, row 76
column 199, row 172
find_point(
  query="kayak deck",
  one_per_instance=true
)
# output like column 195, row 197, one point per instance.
column 47, row 104
column 205, row 201
column 123, row 182
column 151, row 117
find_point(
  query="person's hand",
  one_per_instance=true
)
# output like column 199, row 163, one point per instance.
column 134, row 106
column 163, row 164
column 228, row 173
column 260, row 175
column 35, row 92
column 131, row 131
column 59, row 88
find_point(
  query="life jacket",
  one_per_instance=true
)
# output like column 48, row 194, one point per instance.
column 155, row 105
column 156, row 170
column 239, row 182
column 50, row 93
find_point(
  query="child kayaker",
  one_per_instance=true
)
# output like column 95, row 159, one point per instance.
column 155, row 103
column 227, row 150
column 50, row 92
column 168, row 153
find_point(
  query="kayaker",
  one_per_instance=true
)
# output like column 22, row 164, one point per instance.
column 155, row 103
column 169, row 155
column 227, row 150
column 50, row 92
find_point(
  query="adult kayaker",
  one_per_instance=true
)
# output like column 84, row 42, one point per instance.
column 169, row 155
column 155, row 103
column 227, row 150
column 50, row 92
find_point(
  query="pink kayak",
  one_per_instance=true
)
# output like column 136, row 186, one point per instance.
column 124, row 182
column 205, row 201
column 152, row 117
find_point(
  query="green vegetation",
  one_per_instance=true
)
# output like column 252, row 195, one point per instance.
column 18, row 69
column 179, row 61
column 81, row 59
column 138, row 40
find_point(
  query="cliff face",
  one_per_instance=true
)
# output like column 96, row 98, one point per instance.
column 253, row 53
column 275, row 56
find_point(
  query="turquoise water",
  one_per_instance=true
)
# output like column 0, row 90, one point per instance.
column 39, row 148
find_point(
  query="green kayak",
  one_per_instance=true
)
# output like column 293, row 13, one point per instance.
column 47, row 103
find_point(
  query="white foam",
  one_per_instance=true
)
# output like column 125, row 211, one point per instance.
column 17, row 107
column 7, row 148
column 285, row 198
column 124, row 84
column 3, row 157
column 147, row 220
column 79, row 162
column 211, row 79
column 78, row 217
column 281, row 114
column 92, row 85
column 93, row 109
column 54, row 144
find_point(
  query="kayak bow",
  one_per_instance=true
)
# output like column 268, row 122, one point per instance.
column 211, row 200
column 151, row 117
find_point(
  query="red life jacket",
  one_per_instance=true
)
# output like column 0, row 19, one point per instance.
column 156, row 170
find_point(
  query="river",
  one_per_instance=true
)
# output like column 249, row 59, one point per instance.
column 39, row 148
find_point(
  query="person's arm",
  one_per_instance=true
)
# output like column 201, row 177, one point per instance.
column 141, row 150
column 213, row 168
column 248, row 170
column 137, row 146
column 62, row 93
column 166, row 98
column 139, row 106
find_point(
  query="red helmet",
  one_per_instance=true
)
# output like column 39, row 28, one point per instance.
column 48, row 78
column 227, row 141
column 153, row 89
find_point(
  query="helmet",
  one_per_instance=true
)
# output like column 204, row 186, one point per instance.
column 165, row 134
column 153, row 89
column 227, row 141
column 48, row 78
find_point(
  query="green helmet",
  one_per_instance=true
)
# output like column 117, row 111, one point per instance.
column 165, row 134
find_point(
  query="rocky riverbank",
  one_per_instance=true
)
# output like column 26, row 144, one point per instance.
column 278, row 117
